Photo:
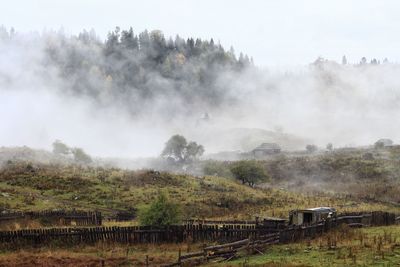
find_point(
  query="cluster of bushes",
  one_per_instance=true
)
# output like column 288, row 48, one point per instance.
column 79, row 155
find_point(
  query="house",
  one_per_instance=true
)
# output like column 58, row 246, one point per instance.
column 385, row 142
column 266, row 149
column 311, row 216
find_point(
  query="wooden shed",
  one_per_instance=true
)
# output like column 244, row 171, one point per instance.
column 311, row 216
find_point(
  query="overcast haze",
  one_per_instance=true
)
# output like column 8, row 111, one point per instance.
column 274, row 33
column 121, row 99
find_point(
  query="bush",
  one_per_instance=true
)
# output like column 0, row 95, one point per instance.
column 81, row 156
column 161, row 212
column 215, row 168
column 249, row 172
column 60, row 148
column 311, row 148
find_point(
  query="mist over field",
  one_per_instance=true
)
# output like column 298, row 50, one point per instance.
column 125, row 96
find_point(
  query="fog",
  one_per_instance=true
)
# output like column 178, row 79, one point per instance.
column 323, row 102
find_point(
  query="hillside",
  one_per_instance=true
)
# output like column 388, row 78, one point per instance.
column 364, row 173
column 33, row 186
column 31, row 155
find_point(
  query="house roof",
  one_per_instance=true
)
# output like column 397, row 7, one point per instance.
column 267, row 146
column 322, row 209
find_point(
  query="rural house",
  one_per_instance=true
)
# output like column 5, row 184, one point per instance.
column 385, row 142
column 266, row 149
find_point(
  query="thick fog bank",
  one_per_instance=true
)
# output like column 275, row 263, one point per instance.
column 117, row 100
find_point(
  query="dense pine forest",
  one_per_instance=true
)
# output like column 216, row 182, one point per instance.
column 131, row 68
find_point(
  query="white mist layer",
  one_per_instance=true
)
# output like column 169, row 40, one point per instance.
column 327, row 102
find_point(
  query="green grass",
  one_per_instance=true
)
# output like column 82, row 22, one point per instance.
column 37, row 187
column 377, row 246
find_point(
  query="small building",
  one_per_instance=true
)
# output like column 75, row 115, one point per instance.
column 311, row 216
column 266, row 149
column 385, row 142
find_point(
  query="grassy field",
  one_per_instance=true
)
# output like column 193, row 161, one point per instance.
column 109, row 254
column 364, row 173
column 25, row 186
column 32, row 186
column 377, row 246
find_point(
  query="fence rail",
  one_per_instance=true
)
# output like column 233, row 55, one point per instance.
column 219, row 222
column 130, row 234
column 182, row 233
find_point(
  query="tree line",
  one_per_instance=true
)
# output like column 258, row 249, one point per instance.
column 134, row 69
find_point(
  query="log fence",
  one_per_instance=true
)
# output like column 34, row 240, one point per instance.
column 183, row 233
column 292, row 233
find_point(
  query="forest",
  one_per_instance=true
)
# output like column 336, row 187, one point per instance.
column 130, row 68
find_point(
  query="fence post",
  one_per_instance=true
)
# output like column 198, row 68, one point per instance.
column 205, row 253
column 248, row 245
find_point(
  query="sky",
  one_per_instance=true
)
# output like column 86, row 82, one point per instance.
column 275, row 33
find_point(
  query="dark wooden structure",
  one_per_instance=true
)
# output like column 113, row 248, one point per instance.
column 311, row 216
column 54, row 217
column 274, row 223
column 291, row 233
column 183, row 233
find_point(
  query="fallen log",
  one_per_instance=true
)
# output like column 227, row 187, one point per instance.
column 192, row 255
column 237, row 243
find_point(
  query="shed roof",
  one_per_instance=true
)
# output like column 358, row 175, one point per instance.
column 322, row 209
column 319, row 209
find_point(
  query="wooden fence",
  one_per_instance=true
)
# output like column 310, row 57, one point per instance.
column 258, row 243
column 226, row 251
column 375, row 218
column 219, row 222
column 59, row 217
column 181, row 233
column 131, row 234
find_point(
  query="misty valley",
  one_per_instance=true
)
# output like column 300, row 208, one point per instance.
column 149, row 150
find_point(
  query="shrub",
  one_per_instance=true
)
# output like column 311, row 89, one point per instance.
column 81, row 156
column 215, row 168
column 249, row 172
column 311, row 148
column 60, row 148
column 161, row 212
